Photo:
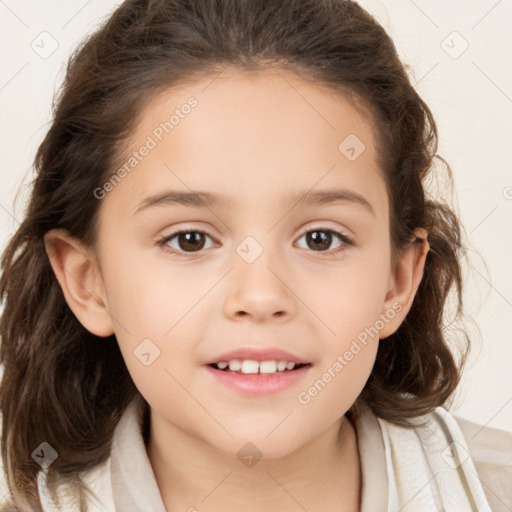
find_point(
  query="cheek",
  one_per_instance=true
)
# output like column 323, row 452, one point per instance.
column 157, row 310
column 349, row 298
column 147, row 292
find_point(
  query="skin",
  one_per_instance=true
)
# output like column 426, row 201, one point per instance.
column 255, row 137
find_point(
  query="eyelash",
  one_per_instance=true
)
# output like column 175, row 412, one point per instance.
column 163, row 241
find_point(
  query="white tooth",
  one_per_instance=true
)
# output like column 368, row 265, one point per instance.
column 268, row 367
column 221, row 365
column 249, row 366
column 281, row 366
column 235, row 365
column 290, row 365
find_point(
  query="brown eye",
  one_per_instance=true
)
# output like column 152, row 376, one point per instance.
column 321, row 239
column 185, row 241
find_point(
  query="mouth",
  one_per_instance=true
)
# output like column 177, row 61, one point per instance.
column 251, row 377
column 252, row 367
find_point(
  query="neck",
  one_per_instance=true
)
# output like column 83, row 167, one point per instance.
column 324, row 474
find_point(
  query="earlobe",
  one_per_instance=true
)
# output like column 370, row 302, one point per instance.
column 81, row 282
column 404, row 281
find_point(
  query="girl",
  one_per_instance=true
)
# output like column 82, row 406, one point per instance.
column 228, row 290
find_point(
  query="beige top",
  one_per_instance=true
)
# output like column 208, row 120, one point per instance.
column 126, row 482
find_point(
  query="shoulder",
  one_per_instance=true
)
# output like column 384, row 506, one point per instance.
column 472, row 462
column 5, row 503
column 98, row 494
column 98, row 491
column 491, row 451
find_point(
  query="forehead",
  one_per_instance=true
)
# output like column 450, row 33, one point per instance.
column 252, row 135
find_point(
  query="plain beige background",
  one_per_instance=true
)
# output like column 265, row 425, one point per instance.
column 459, row 55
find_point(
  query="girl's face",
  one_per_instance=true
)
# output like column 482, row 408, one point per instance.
column 269, row 272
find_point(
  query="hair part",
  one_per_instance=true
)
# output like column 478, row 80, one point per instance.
column 65, row 386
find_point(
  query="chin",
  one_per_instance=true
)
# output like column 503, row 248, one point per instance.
column 258, row 447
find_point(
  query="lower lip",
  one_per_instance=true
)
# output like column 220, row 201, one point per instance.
column 256, row 383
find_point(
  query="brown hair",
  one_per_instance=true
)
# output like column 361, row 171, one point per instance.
column 65, row 386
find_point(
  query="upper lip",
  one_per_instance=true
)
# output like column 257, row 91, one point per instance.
column 258, row 354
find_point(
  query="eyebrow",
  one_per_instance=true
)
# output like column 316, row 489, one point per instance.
column 208, row 200
column 324, row 197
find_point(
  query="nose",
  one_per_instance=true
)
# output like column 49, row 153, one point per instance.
column 260, row 290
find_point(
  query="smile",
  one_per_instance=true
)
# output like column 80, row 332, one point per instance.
column 251, row 366
column 255, row 378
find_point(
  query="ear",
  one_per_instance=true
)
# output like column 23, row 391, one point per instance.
column 81, row 281
column 404, row 282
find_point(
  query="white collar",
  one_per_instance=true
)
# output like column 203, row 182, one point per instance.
column 134, row 486
column 421, row 469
